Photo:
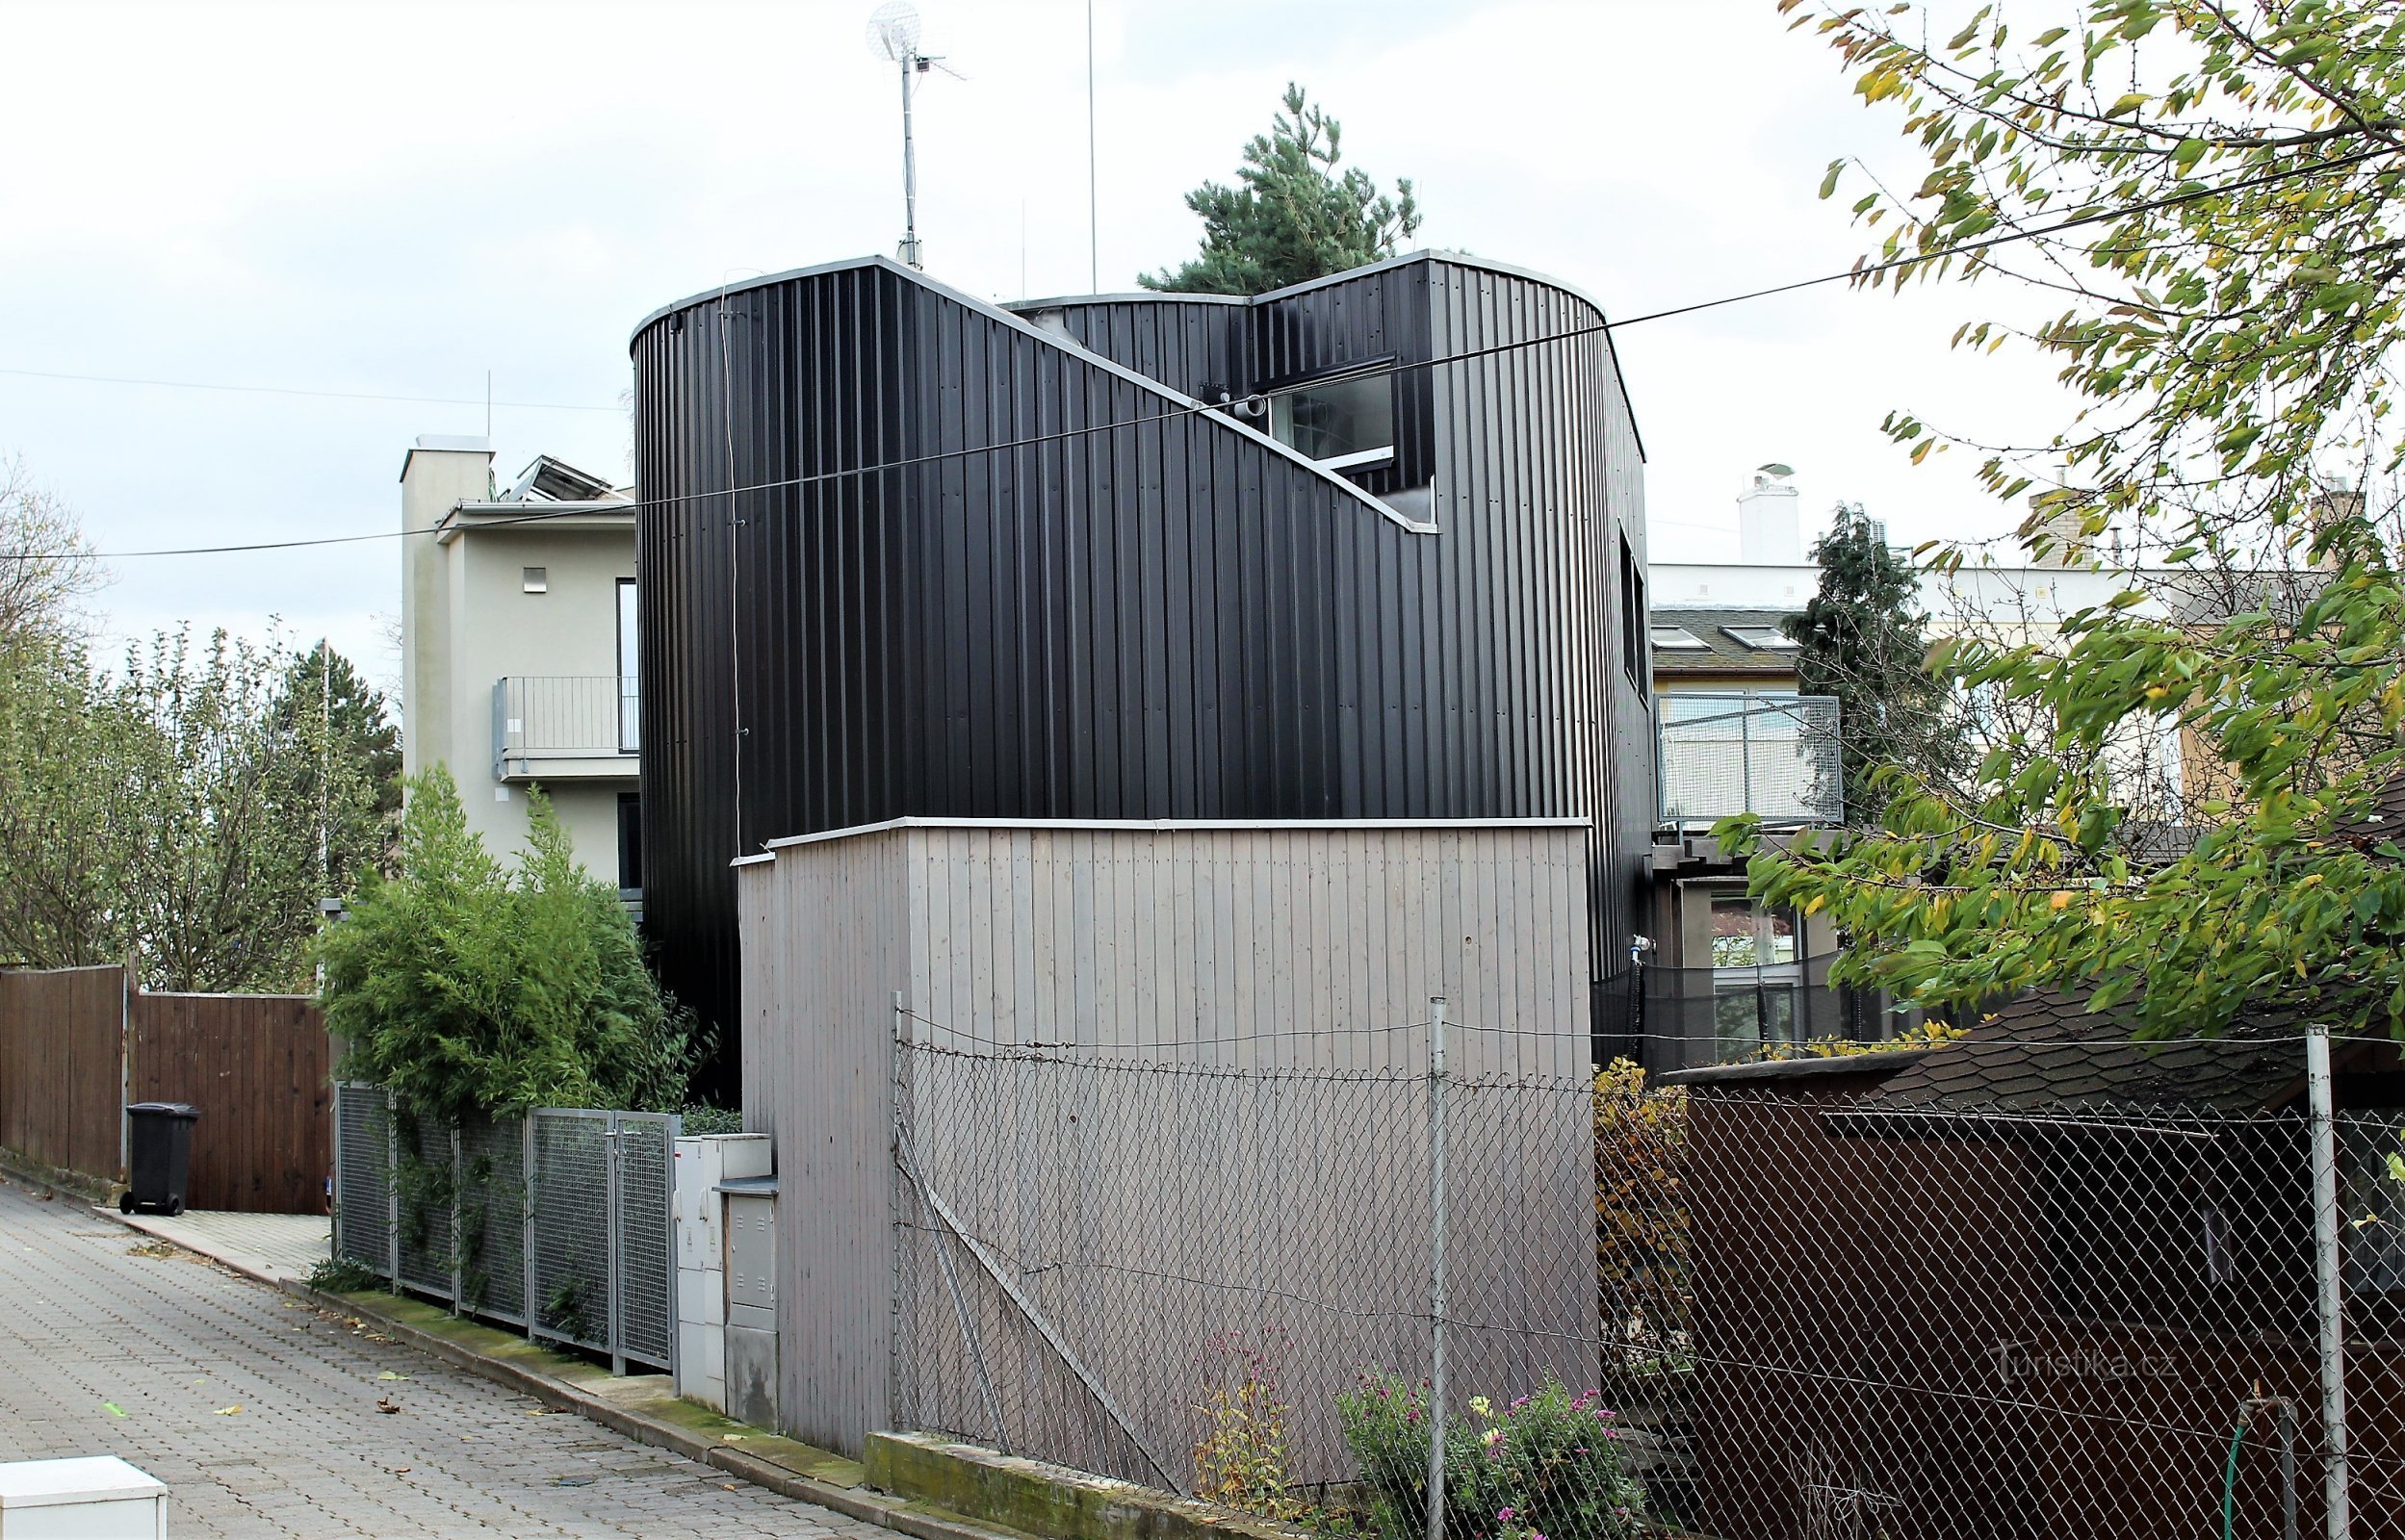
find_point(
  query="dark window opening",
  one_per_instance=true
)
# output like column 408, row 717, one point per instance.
column 1636, row 624
column 630, row 842
column 1341, row 422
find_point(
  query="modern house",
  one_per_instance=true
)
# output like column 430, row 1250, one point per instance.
column 1370, row 548
column 1726, row 976
column 518, row 645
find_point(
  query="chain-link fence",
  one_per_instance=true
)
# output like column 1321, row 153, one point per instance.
column 1991, row 1289
column 556, row 1222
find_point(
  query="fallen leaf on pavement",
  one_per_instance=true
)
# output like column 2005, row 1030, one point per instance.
column 385, row 1404
column 113, row 1408
column 389, row 1374
column 229, row 1411
column 401, row 1470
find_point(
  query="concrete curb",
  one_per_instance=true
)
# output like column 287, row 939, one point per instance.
column 920, row 1520
column 32, row 1173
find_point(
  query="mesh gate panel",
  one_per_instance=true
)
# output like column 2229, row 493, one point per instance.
column 570, row 1198
column 362, row 1192
column 428, row 1247
column 492, row 1219
column 646, row 1258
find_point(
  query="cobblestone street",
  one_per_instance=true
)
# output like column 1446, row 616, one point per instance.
column 262, row 1415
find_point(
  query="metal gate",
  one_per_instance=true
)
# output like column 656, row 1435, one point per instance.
column 556, row 1222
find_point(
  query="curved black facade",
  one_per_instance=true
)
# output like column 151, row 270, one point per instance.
column 992, row 565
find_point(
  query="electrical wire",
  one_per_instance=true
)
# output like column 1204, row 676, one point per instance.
column 1602, row 328
column 295, row 389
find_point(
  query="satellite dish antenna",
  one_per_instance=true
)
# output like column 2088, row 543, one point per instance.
column 893, row 37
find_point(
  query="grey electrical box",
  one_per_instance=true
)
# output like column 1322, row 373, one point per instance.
column 751, row 1240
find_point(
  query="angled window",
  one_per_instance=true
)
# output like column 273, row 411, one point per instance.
column 1634, row 620
column 1676, row 639
column 1762, row 638
column 1342, row 422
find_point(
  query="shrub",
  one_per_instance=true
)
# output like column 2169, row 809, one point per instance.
column 464, row 986
column 1546, row 1466
column 1240, row 1456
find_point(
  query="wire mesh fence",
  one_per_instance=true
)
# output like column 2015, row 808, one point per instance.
column 1980, row 1290
column 556, row 1222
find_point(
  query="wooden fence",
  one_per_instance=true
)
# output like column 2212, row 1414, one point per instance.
column 63, row 1067
column 75, row 1045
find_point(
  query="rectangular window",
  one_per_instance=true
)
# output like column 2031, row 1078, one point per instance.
column 630, row 842
column 1340, row 423
column 534, row 579
column 1635, row 626
column 630, row 674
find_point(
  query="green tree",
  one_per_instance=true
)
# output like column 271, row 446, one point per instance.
column 465, row 986
column 324, row 700
column 1290, row 216
column 68, row 825
column 2230, row 305
column 1864, row 640
column 172, row 812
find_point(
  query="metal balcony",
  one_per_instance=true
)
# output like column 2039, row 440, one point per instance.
column 1767, row 752
column 557, row 728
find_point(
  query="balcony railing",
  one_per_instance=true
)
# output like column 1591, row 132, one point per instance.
column 545, row 722
column 1773, row 755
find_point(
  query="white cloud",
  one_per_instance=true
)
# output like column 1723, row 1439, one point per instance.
column 396, row 198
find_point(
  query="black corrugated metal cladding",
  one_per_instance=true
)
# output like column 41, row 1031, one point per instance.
column 1165, row 619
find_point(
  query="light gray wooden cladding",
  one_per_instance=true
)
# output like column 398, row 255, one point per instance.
column 1285, row 947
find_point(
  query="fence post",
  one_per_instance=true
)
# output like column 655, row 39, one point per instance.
column 526, row 1268
column 459, row 1234
column 392, row 1190
column 2330, row 1281
column 614, row 1226
column 1436, row 1268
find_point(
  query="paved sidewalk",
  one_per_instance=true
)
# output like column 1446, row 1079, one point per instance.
column 272, row 1248
column 110, row 1344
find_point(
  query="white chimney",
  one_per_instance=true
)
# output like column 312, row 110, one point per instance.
column 1770, row 530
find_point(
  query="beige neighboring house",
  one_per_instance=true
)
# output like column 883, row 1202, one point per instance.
column 518, row 654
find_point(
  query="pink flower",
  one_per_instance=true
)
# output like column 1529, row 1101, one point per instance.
column 1503, row 1516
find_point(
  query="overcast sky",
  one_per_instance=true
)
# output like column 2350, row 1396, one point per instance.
column 393, row 199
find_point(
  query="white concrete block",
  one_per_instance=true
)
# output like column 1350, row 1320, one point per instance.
column 94, row 1499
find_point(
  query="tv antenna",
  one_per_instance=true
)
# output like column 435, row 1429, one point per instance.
column 893, row 37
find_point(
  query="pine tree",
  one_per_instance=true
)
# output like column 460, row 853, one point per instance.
column 1865, row 642
column 1291, row 218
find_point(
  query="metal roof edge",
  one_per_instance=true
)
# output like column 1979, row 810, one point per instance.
column 1125, row 297
column 1220, row 420
column 769, row 848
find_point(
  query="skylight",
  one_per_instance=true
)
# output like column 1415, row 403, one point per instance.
column 1672, row 639
column 1762, row 638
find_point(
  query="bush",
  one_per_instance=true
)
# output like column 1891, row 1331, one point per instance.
column 466, row 988
column 1546, row 1466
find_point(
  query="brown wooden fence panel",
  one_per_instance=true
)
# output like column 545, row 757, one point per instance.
column 258, row 1068
column 63, row 1067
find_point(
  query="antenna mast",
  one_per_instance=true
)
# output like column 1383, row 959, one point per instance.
column 893, row 37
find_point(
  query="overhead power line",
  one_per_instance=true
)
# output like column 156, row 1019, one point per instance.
column 295, row 389
column 1603, row 328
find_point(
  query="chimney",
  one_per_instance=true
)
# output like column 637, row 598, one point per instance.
column 1769, row 531
column 2068, row 541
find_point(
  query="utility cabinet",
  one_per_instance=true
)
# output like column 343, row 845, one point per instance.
column 101, row 1498
column 698, row 1211
column 751, row 1274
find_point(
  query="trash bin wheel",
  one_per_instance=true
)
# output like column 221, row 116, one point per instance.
column 174, row 1206
column 125, row 1204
